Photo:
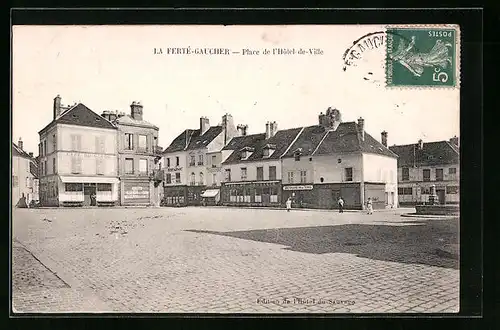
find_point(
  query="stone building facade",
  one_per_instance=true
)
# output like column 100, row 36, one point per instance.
column 24, row 175
column 424, row 165
column 189, row 159
column 137, row 141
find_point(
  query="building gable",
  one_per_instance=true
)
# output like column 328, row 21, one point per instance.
column 80, row 115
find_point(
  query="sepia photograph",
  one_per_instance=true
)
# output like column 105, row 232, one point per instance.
column 234, row 169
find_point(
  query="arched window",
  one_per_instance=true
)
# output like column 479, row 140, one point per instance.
column 193, row 178
column 201, row 178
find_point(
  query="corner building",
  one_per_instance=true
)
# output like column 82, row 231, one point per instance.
column 339, row 159
column 77, row 160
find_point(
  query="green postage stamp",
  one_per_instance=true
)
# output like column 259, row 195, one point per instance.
column 422, row 56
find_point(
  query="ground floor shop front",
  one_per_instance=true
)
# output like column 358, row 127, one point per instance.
column 413, row 193
column 326, row 195
column 183, row 195
column 255, row 193
column 78, row 191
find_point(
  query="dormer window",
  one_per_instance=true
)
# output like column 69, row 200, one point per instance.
column 246, row 152
column 297, row 153
column 269, row 150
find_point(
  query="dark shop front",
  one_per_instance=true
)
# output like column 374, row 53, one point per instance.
column 183, row 195
column 323, row 196
column 175, row 196
column 257, row 193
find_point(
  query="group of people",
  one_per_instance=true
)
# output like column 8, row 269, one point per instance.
column 340, row 201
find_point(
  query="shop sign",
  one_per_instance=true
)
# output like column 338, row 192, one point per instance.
column 174, row 169
column 136, row 192
column 305, row 187
column 87, row 155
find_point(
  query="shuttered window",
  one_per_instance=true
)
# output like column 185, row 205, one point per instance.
column 100, row 166
column 143, row 166
column 99, row 144
column 76, row 165
column 76, row 142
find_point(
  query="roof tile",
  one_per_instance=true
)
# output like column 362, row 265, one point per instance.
column 432, row 153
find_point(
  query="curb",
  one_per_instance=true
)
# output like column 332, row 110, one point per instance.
column 428, row 216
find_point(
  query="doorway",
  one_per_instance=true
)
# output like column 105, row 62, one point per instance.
column 89, row 194
column 441, row 195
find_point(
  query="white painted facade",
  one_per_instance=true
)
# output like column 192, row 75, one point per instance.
column 382, row 169
column 23, row 182
column 77, row 154
column 175, row 164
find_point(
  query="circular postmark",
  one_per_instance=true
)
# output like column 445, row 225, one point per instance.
column 367, row 43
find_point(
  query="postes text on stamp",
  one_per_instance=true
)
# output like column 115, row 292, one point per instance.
column 421, row 57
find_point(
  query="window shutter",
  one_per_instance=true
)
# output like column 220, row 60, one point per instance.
column 73, row 164
column 99, row 166
column 78, row 165
column 73, row 142
column 97, row 144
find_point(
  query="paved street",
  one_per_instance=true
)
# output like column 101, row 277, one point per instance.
column 223, row 260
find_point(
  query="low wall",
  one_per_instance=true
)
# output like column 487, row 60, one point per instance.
column 438, row 209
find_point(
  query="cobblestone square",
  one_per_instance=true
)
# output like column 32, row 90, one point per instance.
column 228, row 260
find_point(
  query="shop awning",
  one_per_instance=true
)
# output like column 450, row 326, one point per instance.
column 210, row 193
column 88, row 179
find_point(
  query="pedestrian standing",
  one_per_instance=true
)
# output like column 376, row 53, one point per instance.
column 369, row 205
column 341, row 205
column 288, row 204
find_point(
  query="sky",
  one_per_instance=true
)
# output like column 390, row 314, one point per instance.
column 108, row 67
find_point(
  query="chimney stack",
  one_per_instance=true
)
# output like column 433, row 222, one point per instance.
column 321, row 119
column 361, row 128
column 228, row 128
column 420, row 144
column 136, row 110
column 204, row 125
column 57, row 106
column 268, row 130
column 273, row 128
column 105, row 114
column 242, row 130
column 331, row 119
column 113, row 115
column 454, row 140
column 384, row 138
column 20, row 144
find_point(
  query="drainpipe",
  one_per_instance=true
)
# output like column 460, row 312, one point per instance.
column 362, row 183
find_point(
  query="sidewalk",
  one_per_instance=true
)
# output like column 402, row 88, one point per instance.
column 301, row 209
column 428, row 216
column 220, row 207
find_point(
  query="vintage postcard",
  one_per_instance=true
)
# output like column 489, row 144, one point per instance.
column 235, row 169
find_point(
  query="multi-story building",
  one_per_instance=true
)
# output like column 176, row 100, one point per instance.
column 423, row 165
column 188, row 162
column 78, row 158
column 252, row 172
column 339, row 159
column 137, row 151
column 24, row 175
